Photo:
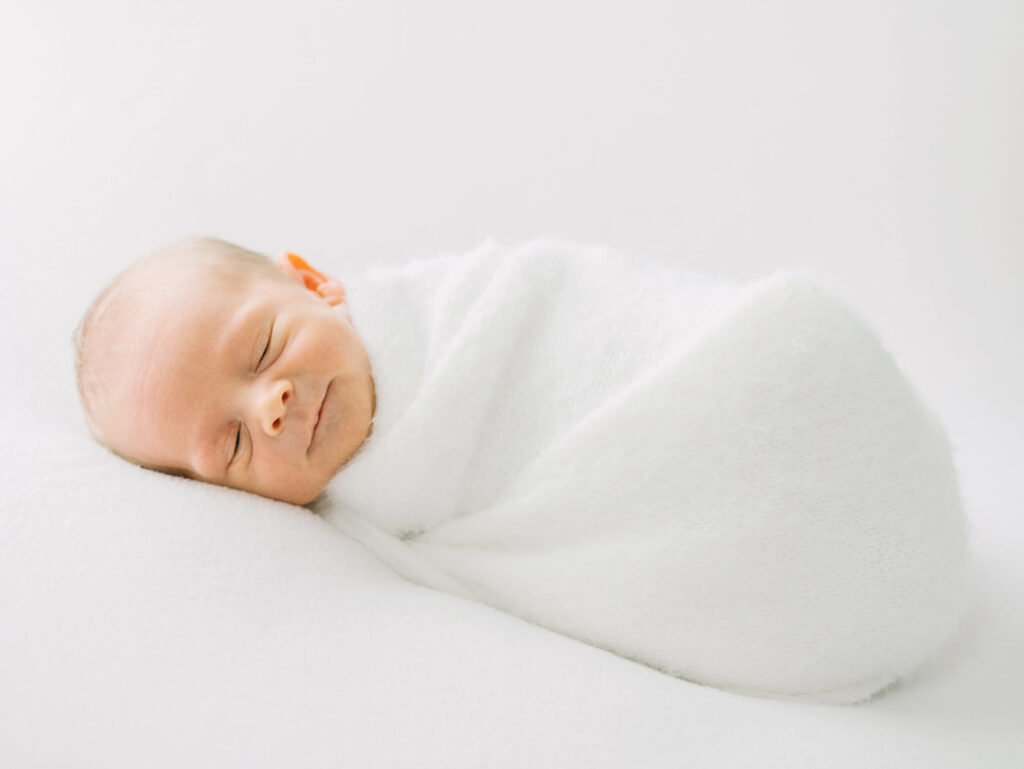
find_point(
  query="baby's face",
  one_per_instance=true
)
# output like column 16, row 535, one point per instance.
column 264, row 387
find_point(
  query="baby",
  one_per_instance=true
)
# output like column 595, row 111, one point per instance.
column 210, row 361
column 730, row 482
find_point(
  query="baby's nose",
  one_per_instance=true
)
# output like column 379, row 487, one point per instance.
column 274, row 406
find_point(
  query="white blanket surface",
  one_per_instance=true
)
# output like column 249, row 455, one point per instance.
column 730, row 482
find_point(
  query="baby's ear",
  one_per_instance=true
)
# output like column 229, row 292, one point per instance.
column 295, row 267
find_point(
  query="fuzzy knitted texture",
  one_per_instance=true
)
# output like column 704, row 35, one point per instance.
column 730, row 482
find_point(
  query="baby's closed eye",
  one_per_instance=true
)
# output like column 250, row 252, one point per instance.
column 266, row 347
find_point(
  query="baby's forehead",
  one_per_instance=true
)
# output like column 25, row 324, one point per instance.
column 188, row 271
column 195, row 283
column 171, row 300
column 155, row 296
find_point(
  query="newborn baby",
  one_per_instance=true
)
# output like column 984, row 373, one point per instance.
column 732, row 483
column 210, row 361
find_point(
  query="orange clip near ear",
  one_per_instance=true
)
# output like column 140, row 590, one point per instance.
column 329, row 288
column 311, row 276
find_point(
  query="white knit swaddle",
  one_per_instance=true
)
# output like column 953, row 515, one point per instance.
column 732, row 483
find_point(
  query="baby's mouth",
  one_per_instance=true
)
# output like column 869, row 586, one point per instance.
column 319, row 413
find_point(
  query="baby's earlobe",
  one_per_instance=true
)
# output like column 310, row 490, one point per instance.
column 333, row 291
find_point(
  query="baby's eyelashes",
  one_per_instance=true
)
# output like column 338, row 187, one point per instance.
column 238, row 455
column 266, row 348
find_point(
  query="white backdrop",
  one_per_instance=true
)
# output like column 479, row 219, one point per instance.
column 875, row 143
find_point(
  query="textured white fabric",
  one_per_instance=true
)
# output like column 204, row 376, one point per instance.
column 732, row 483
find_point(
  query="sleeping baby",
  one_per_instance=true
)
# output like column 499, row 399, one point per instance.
column 730, row 482
column 210, row 361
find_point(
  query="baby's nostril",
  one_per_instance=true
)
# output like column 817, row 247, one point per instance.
column 276, row 424
column 284, row 396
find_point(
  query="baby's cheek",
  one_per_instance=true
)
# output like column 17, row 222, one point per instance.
column 333, row 344
column 287, row 481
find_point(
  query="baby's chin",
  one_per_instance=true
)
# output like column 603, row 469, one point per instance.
column 294, row 494
column 307, row 499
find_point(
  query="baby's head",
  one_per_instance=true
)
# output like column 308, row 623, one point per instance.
column 213, row 362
